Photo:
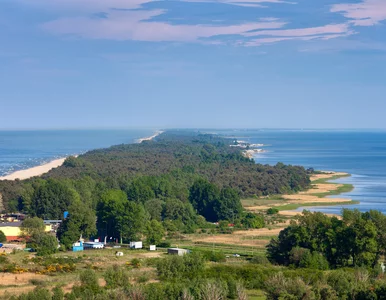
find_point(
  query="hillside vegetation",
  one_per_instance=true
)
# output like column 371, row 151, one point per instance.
column 175, row 182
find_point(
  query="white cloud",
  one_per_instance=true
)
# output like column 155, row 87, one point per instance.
column 86, row 5
column 137, row 25
column 131, row 21
column 246, row 3
column 300, row 32
column 366, row 13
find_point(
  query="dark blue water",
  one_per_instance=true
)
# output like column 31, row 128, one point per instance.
column 360, row 153
column 25, row 149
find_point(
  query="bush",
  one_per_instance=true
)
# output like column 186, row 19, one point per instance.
column 145, row 277
column 136, row 263
column 177, row 267
column 303, row 258
column 214, row 256
column 3, row 259
column 58, row 293
column 342, row 282
column 280, row 287
column 272, row 211
column 164, row 244
column 115, row 277
column 260, row 260
column 37, row 294
column 252, row 221
column 89, row 280
column 37, row 282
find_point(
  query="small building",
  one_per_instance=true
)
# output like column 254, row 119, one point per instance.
column 153, row 247
column 11, row 230
column 93, row 245
column 136, row 245
column 78, row 246
column 178, row 251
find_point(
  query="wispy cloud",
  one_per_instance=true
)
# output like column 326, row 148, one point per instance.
column 87, row 5
column 326, row 32
column 245, row 3
column 138, row 25
column 366, row 13
column 131, row 20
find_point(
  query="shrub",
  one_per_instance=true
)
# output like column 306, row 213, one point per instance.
column 136, row 263
column 280, row 287
column 303, row 258
column 115, row 277
column 164, row 244
column 214, row 256
column 260, row 260
column 3, row 259
column 57, row 293
column 177, row 267
column 145, row 277
column 272, row 211
column 37, row 282
column 89, row 280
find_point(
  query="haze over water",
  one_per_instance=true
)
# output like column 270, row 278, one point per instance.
column 360, row 153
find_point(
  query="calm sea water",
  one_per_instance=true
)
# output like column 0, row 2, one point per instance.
column 25, row 149
column 360, row 153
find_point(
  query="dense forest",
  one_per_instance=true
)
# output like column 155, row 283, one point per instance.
column 175, row 182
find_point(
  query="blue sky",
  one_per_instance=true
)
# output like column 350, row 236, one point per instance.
column 193, row 63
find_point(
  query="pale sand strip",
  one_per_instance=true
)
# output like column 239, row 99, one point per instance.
column 35, row 171
column 150, row 137
column 40, row 170
column 309, row 196
column 293, row 213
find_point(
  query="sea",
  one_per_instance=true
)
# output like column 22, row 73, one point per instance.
column 362, row 153
column 21, row 150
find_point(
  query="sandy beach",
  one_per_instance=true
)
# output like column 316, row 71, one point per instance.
column 40, row 170
column 150, row 137
column 311, row 196
column 35, row 171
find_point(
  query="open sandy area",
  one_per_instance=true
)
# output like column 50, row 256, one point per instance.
column 150, row 137
column 35, row 171
column 309, row 196
column 251, row 238
column 16, row 284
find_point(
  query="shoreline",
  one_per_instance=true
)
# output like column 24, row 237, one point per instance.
column 34, row 171
column 157, row 133
column 46, row 167
column 316, row 196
